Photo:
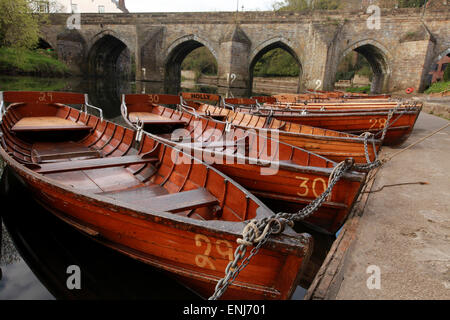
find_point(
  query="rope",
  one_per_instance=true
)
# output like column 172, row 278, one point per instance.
column 389, row 158
column 397, row 185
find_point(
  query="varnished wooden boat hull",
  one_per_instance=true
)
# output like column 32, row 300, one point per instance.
column 294, row 176
column 195, row 250
column 326, row 142
column 358, row 123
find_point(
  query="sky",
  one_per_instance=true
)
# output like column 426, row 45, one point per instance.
column 197, row 5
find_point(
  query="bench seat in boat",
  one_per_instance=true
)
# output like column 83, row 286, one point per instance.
column 151, row 118
column 38, row 124
column 157, row 198
column 90, row 164
column 57, row 151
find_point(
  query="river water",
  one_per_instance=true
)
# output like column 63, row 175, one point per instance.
column 37, row 248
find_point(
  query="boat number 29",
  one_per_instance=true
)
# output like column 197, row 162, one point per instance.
column 305, row 186
column 45, row 96
column 223, row 248
column 378, row 123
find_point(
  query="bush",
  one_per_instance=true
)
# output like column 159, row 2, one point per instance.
column 447, row 73
column 439, row 87
column 24, row 61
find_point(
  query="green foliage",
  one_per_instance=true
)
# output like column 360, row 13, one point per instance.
column 301, row 5
column 24, row 61
column 277, row 63
column 439, row 87
column 201, row 61
column 447, row 73
column 19, row 28
column 365, row 89
column 352, row 64
column 411, row 3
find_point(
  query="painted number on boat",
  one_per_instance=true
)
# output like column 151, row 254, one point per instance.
column 222, row 247
column 306, row 186
column 45, row 97
column 153, row 98
column 378, row 123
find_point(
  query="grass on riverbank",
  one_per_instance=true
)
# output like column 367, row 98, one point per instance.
column 438, row 87
column 30, row 62
column 365, row 89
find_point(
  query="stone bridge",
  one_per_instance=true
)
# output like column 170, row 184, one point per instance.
column 152, row 46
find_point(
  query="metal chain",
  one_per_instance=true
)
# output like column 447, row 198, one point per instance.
column 263, row 226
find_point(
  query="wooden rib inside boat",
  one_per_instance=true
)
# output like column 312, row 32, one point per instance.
column 285, row 177
column 136, row 197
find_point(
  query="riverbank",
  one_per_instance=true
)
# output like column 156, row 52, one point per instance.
column 398, row 246
column 31, row 62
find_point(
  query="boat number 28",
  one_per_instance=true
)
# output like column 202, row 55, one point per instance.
column 223, row 248
column 378, row 123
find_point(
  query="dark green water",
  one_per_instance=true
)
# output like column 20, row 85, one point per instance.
column 37, row 248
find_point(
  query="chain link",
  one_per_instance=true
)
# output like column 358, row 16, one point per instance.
column 250, row 234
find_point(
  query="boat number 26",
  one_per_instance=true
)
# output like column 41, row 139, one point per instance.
column 223, row 248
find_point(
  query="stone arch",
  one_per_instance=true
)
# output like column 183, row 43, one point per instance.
column 379, row 59
column 109, row 54
column 268, row 45
column 175, row 54
column 71, row 47
column 44, row 43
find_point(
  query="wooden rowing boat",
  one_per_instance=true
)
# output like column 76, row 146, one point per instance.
column 399, row 122
column 137, row 198
column 334, row 145
column 285, row 177
column 356, row 119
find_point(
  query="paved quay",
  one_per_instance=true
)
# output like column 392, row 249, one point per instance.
column 405, row 230
column 396, row 243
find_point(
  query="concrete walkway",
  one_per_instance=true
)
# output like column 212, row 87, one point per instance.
column 405, row 230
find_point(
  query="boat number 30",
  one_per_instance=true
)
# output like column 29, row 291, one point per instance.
column 306, row 186
column 222, row 247
column 153, row 98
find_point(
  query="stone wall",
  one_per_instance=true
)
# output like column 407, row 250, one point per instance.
column 401, row 51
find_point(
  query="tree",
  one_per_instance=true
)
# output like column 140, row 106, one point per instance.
column 19, row 28
column 301, row 5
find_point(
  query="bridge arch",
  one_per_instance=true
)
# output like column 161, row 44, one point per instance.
column 108, row 55
column 379, row 59
column 269, row 45
column 175, row 54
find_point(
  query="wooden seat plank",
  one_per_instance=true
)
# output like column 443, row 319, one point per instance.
column 151, row 118
column 92, row 164
column 51, row 151
column 47, row 124
column 174, row 202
